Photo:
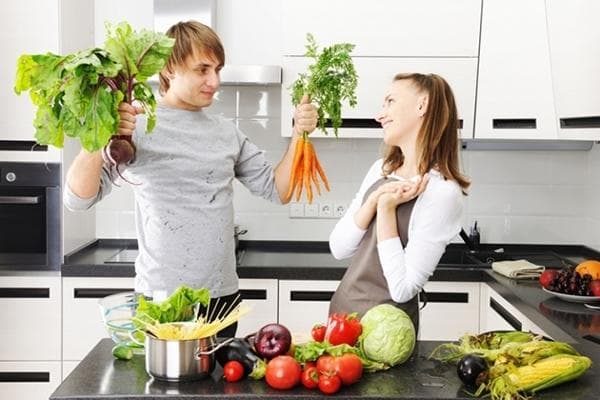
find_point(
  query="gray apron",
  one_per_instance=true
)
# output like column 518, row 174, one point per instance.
column 364, row 285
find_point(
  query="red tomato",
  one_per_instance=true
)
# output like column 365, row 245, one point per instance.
column 326, row 365
column 310, row 378
column 318, row 332
column 595, row 287
column 329, row 384
column 283, row 372
column 233, row 371
column 349, row 368
column 309, row 364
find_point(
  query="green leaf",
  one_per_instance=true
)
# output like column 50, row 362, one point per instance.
column 331, row 80
column 78, row 94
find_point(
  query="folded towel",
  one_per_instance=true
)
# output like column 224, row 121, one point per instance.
column 518, row 269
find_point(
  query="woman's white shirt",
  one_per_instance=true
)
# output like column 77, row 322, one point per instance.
column 436, row 218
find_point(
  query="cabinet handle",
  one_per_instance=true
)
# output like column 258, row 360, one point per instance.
column 253, row 294
column 21, row 145
column 19, row 199
column 24, row 376
column 97, row 293
column 580, row 122
column 444, row 297
column 25, row 293
column 508, row 317
column 514, row 123
column 301, row 295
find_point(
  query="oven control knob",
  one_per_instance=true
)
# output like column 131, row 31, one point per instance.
column 11, row 177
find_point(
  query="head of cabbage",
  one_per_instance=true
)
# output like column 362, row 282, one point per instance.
column 388, row 335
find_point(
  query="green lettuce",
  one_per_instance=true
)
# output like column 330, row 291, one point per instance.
column 181, row 305
column 78, row 94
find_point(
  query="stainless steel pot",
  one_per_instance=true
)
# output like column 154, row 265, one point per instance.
column 180, row 360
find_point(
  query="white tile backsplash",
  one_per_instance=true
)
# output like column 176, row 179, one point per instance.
column 516, row 197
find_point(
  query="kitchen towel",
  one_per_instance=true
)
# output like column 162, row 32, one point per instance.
column 518, row 269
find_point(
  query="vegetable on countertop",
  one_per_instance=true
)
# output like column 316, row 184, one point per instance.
column 241, row 351
column 122, row 352
column 78, row 94
column 329, row 81
column 343, row 328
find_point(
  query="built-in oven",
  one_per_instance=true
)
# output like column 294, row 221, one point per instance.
column 30, row 215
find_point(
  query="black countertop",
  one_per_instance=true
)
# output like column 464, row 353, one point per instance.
column 100, row 376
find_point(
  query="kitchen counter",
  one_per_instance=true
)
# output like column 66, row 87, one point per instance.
column 99, row 376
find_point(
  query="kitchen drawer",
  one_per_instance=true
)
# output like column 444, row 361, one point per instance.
column 303, row 304
column 29, row 380
column 452, row 310
column 82, row 321
column 30, row 314
column 261, row 296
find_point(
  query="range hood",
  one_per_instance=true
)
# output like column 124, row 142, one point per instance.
column 170, row 12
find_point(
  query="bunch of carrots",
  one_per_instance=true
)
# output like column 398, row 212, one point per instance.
column 306, row 171
column 329, row 81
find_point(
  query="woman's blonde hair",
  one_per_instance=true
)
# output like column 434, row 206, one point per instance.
column 438, row 139
column 190, row 36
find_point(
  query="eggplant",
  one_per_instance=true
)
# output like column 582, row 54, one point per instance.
column 240, row 350
column 472, row 370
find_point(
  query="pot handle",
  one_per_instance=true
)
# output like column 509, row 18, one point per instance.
column 199, row 353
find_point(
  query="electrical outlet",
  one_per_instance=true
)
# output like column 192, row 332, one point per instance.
column 325, row 210
column 311, row 210
column 339, row 209
column 296, row 210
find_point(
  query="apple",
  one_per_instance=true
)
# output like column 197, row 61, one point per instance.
column 272, row 340
column 547, row 277
column 595, row 287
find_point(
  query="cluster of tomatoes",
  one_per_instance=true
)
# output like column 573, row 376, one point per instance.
column 329, row 373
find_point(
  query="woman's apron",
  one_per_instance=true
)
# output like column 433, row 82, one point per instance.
column 364, row 285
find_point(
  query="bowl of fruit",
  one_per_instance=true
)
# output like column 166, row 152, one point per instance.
column 580, row 284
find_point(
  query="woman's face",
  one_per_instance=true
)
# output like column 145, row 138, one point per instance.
column 402, row 113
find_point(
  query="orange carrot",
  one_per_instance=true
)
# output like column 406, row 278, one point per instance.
column 306, row 171
column 298, row 150
column 322, row 174
column 313, row 167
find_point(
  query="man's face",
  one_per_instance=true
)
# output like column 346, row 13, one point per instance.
column 193, row 85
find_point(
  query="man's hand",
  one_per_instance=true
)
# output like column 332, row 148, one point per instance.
column 305, row 117
column 127, row 114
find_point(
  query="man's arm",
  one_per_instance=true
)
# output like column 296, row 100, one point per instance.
column 305, row 120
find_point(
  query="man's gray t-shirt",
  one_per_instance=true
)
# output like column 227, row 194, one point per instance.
column 183, row 184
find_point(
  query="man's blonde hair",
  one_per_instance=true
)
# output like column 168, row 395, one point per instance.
column 190, row 36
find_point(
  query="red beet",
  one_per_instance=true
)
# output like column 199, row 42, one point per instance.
column 120, row 150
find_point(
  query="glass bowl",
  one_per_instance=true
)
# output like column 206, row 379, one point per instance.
column 117, row 312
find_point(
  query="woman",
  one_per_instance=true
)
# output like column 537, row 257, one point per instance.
column 409, row 205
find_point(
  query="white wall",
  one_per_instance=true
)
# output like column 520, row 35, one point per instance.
column 517, row 197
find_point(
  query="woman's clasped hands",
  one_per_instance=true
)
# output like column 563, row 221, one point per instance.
column 391, row 194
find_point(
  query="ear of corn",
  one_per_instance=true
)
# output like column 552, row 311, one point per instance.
column 540, row 375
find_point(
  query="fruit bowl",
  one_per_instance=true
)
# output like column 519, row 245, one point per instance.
column 117, row 312
column 573, row 298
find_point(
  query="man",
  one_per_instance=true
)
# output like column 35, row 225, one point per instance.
column 183, row 172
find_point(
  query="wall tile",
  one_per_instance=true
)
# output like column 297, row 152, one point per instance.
column 225, row 102
column 259, row 101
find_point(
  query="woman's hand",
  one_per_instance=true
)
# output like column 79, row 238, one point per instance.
column 127, row 117
column 392, row 194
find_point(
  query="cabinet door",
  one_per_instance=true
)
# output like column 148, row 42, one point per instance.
column 30, row 318
column 514, row 94
column 384, row 27
column 261, row 296
column 28, row 380
column 303, row 304
column 82, row 321
column 574, row 34
column 499, row 314
column 452, row 310
column 376, row 74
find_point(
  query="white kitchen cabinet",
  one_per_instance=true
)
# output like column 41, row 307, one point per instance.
column 574, row 34
column 304, row 303
column 452, row 310
column 82, row 321
column 514, row 93
column 29, row 380
column 375, row 76
column 498, row 314
column 30, row 316
column 261, row 296
column 429, row 28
